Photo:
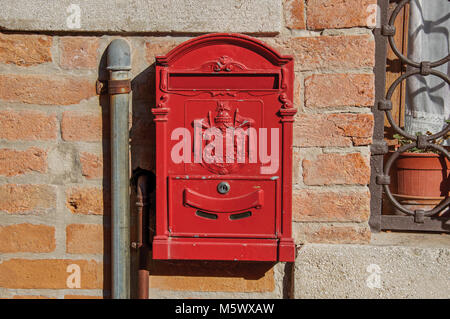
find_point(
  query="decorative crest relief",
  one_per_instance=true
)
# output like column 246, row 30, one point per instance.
column 223, row 121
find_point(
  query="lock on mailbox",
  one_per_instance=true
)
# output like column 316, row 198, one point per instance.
column 224, row 121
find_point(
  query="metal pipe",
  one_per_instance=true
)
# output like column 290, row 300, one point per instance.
column 142, row 234
column 119, row 65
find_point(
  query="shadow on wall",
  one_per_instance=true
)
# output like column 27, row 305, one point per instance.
column 142, row 158
column 106, row 183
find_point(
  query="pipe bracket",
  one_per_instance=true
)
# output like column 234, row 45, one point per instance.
column 112, row 87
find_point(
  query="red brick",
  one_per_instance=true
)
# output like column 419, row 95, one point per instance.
column 27, row 238
column 335, row 90
column 79, row 126
column 141, row 93
column 327, row 14
column 86, row 201
column 31, row 297
column 339, row 130
column 91, row 165
column 329, row 52
column 294, row 14
column 27, row 125
column 217, row 276
column 143, row 129
column 81, row 297
column 25, row 49
column 20, row 273
column 45, row 89
column 79, row 52
column 144, row 156
column 360, row 141
column 298, row 101
column 331, row 233
column 26, row 198
column 158, row 47
column 330, row 206
column 14, row 162
column 85, row 239
column 296, row 162
column 329, row 169
column 358, row 127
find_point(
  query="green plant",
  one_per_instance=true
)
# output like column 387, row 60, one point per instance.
column 403, row 141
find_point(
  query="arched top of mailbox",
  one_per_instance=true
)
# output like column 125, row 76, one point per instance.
column 224, row 42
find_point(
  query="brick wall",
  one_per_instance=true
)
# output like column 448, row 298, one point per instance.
column 54, row 154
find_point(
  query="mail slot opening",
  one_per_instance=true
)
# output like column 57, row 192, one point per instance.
column 240, row 215
column 223, row 81
column 199, row 213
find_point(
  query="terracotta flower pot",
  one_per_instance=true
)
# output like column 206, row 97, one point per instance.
column 422, row 175
column 421, row 180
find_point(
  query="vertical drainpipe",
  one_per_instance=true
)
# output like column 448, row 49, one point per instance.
column 119, row 65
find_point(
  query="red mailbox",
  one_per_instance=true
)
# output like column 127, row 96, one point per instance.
column 224, row 121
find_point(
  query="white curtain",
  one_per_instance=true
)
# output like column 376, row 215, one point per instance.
column 427, row 97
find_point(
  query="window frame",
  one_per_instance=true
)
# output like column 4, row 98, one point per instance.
column 379, row 147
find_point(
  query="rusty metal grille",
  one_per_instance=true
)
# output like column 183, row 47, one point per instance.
column 405, row 218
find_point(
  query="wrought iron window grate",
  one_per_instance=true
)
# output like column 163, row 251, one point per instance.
column 404, row 218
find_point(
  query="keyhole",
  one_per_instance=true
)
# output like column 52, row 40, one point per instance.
column 223, row 187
